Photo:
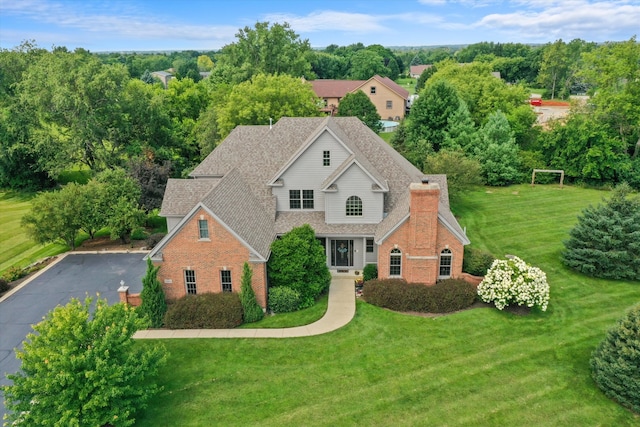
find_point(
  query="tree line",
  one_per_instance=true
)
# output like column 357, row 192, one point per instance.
column 60, row 108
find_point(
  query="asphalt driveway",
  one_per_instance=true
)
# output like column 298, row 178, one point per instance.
column 75, row 275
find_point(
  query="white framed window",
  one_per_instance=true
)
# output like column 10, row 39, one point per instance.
column 389, row 105
column 354, row 206
column 372, row 90
column 326, row 158
column 294, row 199
column 395, row 262
column 445, row 264
column 369, row 246
column 190, row 281
column 225, row 281
column 301, row 199
column 203, row 229
column 307, row 199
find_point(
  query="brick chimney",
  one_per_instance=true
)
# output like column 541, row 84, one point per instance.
column 423, row 220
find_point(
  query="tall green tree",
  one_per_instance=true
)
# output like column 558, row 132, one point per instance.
column 463, row 172
column 81, row 367
column 429, row 120
column 251, row 309
column 75, row 100
column 154, row 305
column 56, row 215
column 264, row 49
column 266, row 97
column 298, row 261
column 498, row 153
column 366, row 64
column 359, row 105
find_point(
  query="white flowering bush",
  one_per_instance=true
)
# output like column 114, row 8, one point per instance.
column 513, row 281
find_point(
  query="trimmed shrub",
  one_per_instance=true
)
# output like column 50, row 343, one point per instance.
column 283, row 299
column 616, row 362
column 153, row 239
column 205, row 311
column 4, row 285
column 476, row 261
column 13, row 273
column 450, row 295
column 396, row 294
column 388, row 293
column 139, row 234
column 369, row 272
column 513, row 281
column 298, row 261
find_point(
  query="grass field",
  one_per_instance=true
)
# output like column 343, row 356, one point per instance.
column 15, row 247
column 479, row 367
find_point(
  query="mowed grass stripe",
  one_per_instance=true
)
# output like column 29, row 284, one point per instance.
column 478, row 367
column 16, row 248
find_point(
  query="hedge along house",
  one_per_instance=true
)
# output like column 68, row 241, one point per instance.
column 366, row 203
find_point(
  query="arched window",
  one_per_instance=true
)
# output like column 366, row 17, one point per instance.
column 395, row 262
column 445, row 264
column 354, row 206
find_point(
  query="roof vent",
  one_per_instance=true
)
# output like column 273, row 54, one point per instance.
column 425, row 180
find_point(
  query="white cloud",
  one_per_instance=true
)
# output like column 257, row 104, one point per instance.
column 117, row 22
column 329, row 20
column 548, row 19
column 433, row 2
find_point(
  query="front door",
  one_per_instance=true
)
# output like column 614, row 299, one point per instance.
column 341, row 253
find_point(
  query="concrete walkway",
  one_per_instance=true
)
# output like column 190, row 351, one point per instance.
column 341, row 309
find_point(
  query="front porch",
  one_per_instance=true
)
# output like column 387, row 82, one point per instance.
column 349, row 254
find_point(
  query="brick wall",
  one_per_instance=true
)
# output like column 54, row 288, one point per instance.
column 421, row 239
column 207, row 257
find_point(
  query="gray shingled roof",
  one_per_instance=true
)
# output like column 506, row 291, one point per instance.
column 235, row 204
column 181, row 195
column 252, row 155
column 285, row 221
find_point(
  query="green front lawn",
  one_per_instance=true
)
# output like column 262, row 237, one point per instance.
column 16, row 248
column 478, row 367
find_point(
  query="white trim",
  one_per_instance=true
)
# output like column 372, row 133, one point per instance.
column 395, row 227
column 383, row 187
column 186, row 219
column 313, row 138
column 462, row 238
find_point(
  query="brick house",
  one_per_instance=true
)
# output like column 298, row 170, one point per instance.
column 366, row 203
column 389, row 97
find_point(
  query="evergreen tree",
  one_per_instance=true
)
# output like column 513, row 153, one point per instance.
column 359, row 105
column 461, row 132
column 498, row 153
column 154, row 305
column 252, row 311
column 606, row 240
column 616, row 362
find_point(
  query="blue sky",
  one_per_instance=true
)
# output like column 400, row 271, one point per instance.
column 125, row 25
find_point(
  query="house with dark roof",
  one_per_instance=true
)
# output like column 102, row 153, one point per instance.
column 366, row 203
column 415, row 71
column 388, row 96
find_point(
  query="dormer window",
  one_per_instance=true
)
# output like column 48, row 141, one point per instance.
column 372, row 90
column 326, row 158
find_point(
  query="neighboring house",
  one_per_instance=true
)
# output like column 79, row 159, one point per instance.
column 389, row 97
column 163, row 76
column 366, row 203
column 416, row 70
